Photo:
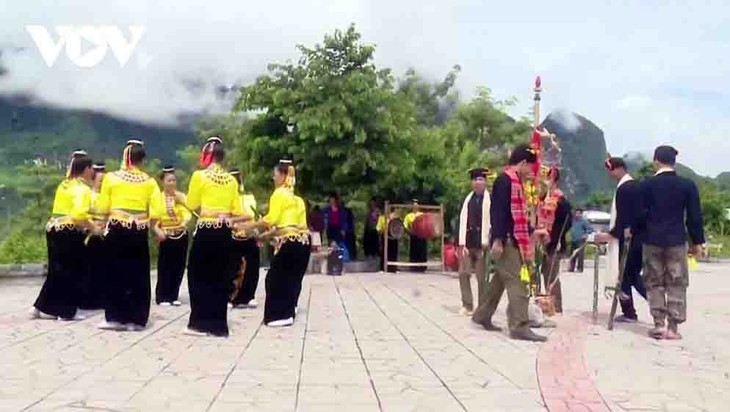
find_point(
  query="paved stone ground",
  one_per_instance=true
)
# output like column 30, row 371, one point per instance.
column 368, row 343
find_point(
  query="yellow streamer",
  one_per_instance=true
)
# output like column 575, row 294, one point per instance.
column 524, row 274
column 692, row 263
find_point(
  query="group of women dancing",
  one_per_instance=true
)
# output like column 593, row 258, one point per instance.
column 98, row 251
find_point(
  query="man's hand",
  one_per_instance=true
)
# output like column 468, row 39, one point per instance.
column 497, row 249
column 698, row 251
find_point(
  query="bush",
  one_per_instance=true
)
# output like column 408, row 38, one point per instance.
column 23, row 247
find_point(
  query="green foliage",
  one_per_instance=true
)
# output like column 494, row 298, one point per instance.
column 599, row 201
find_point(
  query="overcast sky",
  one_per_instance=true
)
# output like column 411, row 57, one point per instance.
column 647, row 72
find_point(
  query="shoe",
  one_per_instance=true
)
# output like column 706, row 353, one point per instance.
column 192, row 332
column 547, row 324
column 165, row 304
column 673, row 332
column 230, row 305
column 658, row 332
column 488, row 325
column 34, row 313
column 133, row 327
column 111, row 326
column 76, row 317
column 176, row 303
column 464, row 311
column 625, row 319
column 252, row 304
column 527, row 334
column 280, row 323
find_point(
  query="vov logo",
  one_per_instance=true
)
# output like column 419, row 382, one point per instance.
column 101, row 38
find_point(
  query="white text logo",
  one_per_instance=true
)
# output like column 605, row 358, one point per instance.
column 99, row 37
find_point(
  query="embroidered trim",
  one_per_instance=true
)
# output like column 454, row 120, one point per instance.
column 175, row 233
column 212, row 224
column 170, row 206
column 128, row 223
column 132, row 175
column 217, row 175
column 58, row 224
column 293, row 238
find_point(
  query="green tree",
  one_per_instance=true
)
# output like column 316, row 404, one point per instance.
column 335, row 113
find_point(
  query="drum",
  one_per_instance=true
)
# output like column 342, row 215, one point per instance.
column 451, row 260
column 427, row 226
column 395, row 228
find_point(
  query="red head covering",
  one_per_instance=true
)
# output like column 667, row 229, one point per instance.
column 206, row 154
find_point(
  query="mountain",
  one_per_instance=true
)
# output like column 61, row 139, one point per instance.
column 28, row 130
column 583, row 153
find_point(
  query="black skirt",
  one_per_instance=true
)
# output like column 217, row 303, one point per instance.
column 92, row 288
column 248, row 250
column 128, row 274
column 60, row 294
column 418, row 253
column 170, row 268
column 210, row 270
column 282, row 280
column 304, row 253
column 371, row 243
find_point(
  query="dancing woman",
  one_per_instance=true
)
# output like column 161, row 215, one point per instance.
column 172, row 234
column 127, row 196
column 65, row 233
column 214, row 192
column 418, row 247
column 93, row 287
column 283, row 219
column 246, row 254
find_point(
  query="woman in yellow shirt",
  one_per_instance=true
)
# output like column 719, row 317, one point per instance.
column 246, row 254
column 93, row 287
column 283, row 220
column 127, row 196
column 172, row 235
column 214, row 192
column 65, row 232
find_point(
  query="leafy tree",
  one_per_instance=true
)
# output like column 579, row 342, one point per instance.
column 335, row 114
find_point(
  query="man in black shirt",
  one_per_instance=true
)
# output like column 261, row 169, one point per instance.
column 672, row 211
column 510, row 248
column 474, row 240
column 627, row 205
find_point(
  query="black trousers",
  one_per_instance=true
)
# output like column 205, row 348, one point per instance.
column 92, row 289
column 281, row 282
column 171, row 268
column 128, row 275
column 418, row 252
column 246, row 249
column 303, row 263
column 60, row 295
column 210, row 268
column 632, row 278
column 392, row 256
column 371, row 243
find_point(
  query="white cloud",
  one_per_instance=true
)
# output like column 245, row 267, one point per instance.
column 635, row 69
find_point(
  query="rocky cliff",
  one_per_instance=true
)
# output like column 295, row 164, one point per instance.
column 583, row 154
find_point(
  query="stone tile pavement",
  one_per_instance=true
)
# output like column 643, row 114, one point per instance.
column 368, row 342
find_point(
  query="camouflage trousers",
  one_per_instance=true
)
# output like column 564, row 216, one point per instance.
column 666, row 276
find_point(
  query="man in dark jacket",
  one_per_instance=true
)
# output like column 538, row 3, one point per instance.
column 672, row 212
column 628, row 207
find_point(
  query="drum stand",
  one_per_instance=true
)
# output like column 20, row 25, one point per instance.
column 390, row 207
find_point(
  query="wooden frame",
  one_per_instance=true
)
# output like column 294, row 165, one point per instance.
column 433, row 263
